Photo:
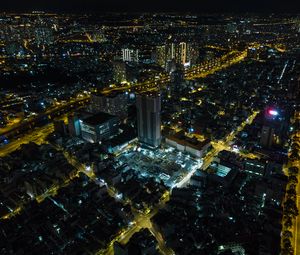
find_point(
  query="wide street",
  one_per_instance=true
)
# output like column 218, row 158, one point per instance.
column 38, row 136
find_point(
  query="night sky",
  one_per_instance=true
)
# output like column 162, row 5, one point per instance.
column 196, row 6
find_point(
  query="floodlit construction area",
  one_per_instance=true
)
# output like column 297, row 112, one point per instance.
column 165, row 164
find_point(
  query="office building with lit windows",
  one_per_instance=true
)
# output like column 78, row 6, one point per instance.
column 98, row 127
column 114, row 103
column 130, row 55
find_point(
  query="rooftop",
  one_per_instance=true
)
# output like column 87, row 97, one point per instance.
column 98, row 118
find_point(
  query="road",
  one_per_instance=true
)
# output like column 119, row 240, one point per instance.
column 225, row 143
column 143, row 220
column 11, row 124
column 60, row 107
column 296, row 227
column 51, row 191
column 297, row 222
column 37, row 136
column 203, row 70
column 199, row 71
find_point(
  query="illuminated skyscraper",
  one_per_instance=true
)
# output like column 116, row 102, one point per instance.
column 192, row 54
column 170, row 51
column 181, row 53
column 160, row 55
column 273, row 128
column 130, row 55
column 148, row 118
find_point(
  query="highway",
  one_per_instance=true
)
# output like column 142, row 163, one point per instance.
column 37, row 136
column 199, row 71
column 60, row 107
column 212, row 66
column 142, row 219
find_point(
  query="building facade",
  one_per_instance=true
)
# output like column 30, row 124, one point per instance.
column 114, row 104
column 74, row 126
column 98, row 127
column 119, row 71
column 130, row 55
column 149, row 119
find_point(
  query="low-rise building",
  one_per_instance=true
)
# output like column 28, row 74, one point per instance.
column 186, row 144
column 98, row 127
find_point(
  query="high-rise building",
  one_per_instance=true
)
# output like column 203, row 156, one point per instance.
column 170, row 51
column 119, row 71
column 170, row 66
column 160, row 55
column 176, row 79
column 192, row 54
column 274, row 128
column 180, row 55
column 148, row 118
column 130, row 55
column 267, row 136
column 74, row 126
column 114, row 103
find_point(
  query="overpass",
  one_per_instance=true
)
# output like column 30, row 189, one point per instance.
column 43, row 117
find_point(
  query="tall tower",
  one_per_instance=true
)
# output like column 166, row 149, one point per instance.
column 130, row 55
column 74, row 126
column 148, row 118
column 119, row 71
column 161, row 55
column 182, row 53
column 267, row 136
column 273, row 128
column 170, row 51
column 177, row 78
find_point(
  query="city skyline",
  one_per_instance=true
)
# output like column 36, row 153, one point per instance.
column 193, row 6
column 158, row 133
